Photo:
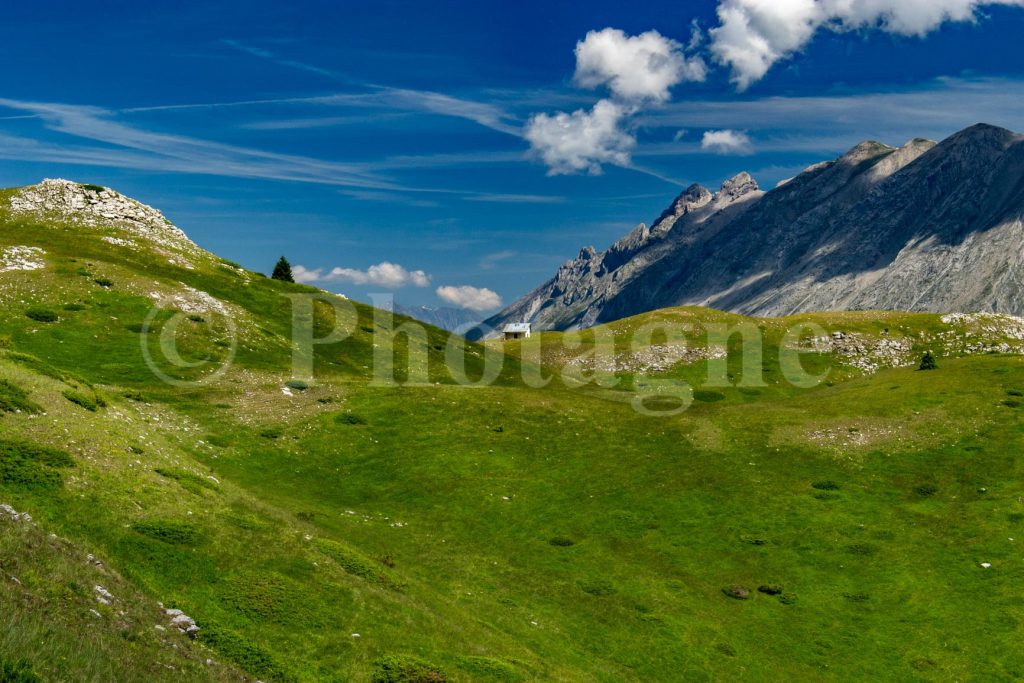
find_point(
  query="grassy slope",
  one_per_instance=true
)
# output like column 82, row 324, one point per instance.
column 503, row 533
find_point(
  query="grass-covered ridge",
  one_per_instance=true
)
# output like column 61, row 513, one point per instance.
column 857, row 529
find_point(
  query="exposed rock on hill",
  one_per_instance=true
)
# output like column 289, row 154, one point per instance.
column 94, row 206
column 925, row 227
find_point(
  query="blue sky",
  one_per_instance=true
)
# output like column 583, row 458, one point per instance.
column 426, row 135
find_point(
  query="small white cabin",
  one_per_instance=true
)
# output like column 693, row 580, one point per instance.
column 516, row 331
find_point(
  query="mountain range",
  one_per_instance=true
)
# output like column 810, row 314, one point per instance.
column 924, row 227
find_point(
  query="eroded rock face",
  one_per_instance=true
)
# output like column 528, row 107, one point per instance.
column 99, row 206
column 924, row 227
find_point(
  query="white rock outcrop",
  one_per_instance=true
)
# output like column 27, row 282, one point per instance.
column 99, row 206
column 21, row 258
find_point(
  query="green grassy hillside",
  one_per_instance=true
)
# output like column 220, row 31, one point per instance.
column 864, row 528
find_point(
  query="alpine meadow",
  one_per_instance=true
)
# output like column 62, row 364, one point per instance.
column 285, row 395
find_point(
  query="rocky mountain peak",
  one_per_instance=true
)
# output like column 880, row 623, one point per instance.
column 738, row 186
column 690, row 199
column 97, row 206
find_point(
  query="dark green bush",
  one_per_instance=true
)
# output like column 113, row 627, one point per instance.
column 297, row 384
column 825, row 485
column 249, row 657
column 74, row 307
column 90, row 403
column 42, row 315
column 104, row 282
column 562, row 542
column 708, row 396
column 28, row 466
column 188, row 481
column 406, row 669
column 349, row 419
column 14, row 399
column 598, row 586
column 926, row 490
column 18, row 671
column 928, row 362
column 272, row 433
column 92, row 188
column 173, row 531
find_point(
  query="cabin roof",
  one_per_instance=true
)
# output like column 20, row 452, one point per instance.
column 516, row 327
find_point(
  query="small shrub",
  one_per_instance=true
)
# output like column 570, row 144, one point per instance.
column 349, row 419
column 218, row 440
column 861, row 549
column 137, row 328
column 928, row 362
column 737, row 592
column 826, row 485
column 172, row 531
column 14, row 399
column 28, row 466
column 137, row 450
column 857, row 597
column 562, row 542
column 272, row 433
column 92, row 188
column 305, row 516
column 406, row 669
column 134, row 395
column 297, row 384
column 42, row 315
column 1014, row 392
column 1012, row 403
column 708, row 396
column 926, row 490
column 487, row 668
column 74, row 307
column 249, row 657
column 189, row 481
column 726, row 649
column 90, row 403
column 104, row 282
column 197, row 318
column 18, row 671
column 597, row 586
column 770, row 589
column 788, row 599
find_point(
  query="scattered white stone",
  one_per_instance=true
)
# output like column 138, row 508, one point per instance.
column 21, row 258
column 182, row 622
column 355, row 635
column 286, row 391
column 95, row 613
column 986, row 565
column 103, row 596
column 117, row 241
column 14, row 515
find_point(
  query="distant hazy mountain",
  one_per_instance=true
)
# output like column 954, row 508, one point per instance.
column 444, row 317
column 925, row 227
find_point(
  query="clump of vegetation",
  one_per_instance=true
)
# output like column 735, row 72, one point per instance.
column 32, row 467
column 18, row 671
column 737, row 592
column 92, row 188
column 926, row 490
column 173, row 531
column 562, row 542
column 91, row 403
column 42, row 315
column 489, row 668
column 197, row 318
column 406, row 669
column 104, row 282
column 297, row 384
column 349, row 419
column 708, row 396
column 283, row 271
column 354, row 563
column 275, row 432
column 825, row 485
column 928, row 362
column 189, row 481
column 14, row 399
column 73, row 307
column 252, row 658
column 597, row 586
column 770, row 589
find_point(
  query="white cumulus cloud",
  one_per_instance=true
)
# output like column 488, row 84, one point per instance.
column 582, row 140
column 384, row 274
column 726, row 142
column 639, row 72
column 753, row 35
column 472, row 298
column 641, row 67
